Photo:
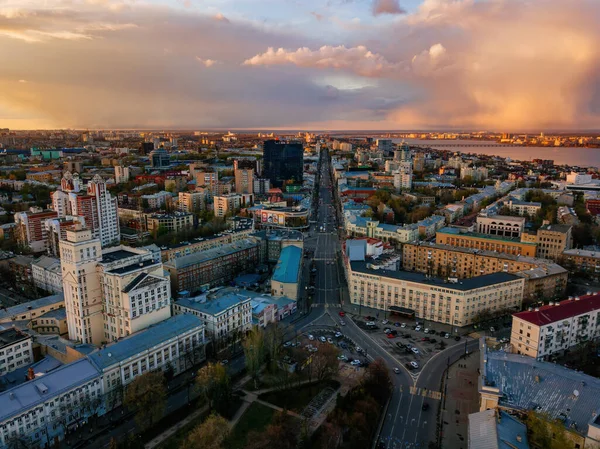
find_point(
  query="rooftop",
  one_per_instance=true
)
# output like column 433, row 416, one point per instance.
column 455, row 231
column 494, row 429
column 525, row 383
column 117, row 255
column 19, row 309
column 213, row 306
column 133, row 267
column 563, row 310
column 203, row 256
column 556, row 228
column 11, row 336
column 410, row 276
column 143, row 340
column 288, row 266
column 29, row 394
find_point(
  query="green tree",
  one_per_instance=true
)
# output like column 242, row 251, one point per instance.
column 147, row 396
column 211, row 434
column 254, row 350
column 213, row 382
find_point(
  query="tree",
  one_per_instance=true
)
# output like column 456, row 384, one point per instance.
column 325, row 364
column 254, row 350
column 273, row 339
column 147, row 395
column 546, row 432
column 281, row 433
column 213, row 383
column 211, row 434
column 376, row 381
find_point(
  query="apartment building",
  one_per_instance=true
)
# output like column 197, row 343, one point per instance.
column 156, row 200
column 213, row 267
column 172, row 223
column 524, row 207
column 229, row 316
column 30, row 229
column 582, row 260
column 203, row 244
column 544, row 279
column 228, row 204
column 556, row 327
column 121, row 174
column 501, row 225
column 56, row 230
column 244, row 180
column 457, row 302
column 192, row 201
column 46, row 274
column 30, row 310
column 453, row 237
column 286, row 276
column 16, row 350
column 553, row 240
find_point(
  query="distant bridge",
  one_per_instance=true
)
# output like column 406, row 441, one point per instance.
column 464, row 145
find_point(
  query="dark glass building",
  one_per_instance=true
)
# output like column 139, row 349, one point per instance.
column 283, row 161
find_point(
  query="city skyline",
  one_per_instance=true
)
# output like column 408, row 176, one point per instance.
column 336, row 65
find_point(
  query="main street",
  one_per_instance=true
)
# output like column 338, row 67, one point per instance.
column 406, row 424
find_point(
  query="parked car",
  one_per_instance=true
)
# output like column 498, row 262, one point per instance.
column 447, row 335
column 384, row 322
column 343, row 358
column 457, row 338
column 418, row 328
column 355, row 362
column 426, row 330
column 338, row 334
column 414, row 364
column 492, row 329
column 390, row 335
column 342, row 322
column 370, row 318
column 311, row 337
column 394, row 332
column 287, row 344
column 387, row 330
column 397, row 370
column 397, row 324
column 425, row 339
column 322, row 339
column 403, row 325
column 433, row 340
column 370, row 323
column 329, row 340
column 415, row 350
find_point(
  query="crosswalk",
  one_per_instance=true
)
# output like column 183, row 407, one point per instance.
column 416, row 391
column 327, row 306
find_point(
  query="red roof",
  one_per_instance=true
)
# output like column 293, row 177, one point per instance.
column 561, row 311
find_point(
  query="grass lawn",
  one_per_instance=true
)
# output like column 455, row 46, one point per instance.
column 297, row 398
column 176, row 440
column 257, row 417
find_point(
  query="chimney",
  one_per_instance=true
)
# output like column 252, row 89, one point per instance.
column 30, row 374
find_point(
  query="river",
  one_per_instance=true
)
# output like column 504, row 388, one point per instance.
column 583, row 157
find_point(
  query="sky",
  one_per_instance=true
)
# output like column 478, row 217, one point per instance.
column 300, row 64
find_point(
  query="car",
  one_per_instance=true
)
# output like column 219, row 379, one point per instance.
column 322, row 339
column 311, row 337
column 370, row 318
column 342, row 357
column 342, row 323
column 397, row 324
column 403, row 325
column 224, row 362
column 287, row 344
column 414, row 365
column 426, row 330
column 387, row 330
column 418, row 328
column 359, row 349
column 341, row 313
column 425, row 339
column 425, row 406
column 370, row 323
column 314, row 349
column 492, row 329
column 390, row 335
column 415, row 350
column 457, row 338
column 338, row 334
column 394, row 332
column 397, row 370
column 446, row 335
column 431, row 332
column 355, row 362
column 329, row 340
column 384, row 322
column 408, row 346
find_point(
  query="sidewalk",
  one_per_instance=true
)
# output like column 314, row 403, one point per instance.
column 461, row 399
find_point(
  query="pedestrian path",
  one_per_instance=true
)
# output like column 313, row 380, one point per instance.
column 172, row 430
column 416, row 391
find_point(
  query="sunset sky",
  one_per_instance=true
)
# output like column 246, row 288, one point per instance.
column 300, row 64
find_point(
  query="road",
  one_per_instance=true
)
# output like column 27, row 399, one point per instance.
column 406, row 424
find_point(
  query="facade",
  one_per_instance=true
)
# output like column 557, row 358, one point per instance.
column 524, row 208
column 56, row 230
column 121, row 174
column 457, row 303
column 20, row 267
column 403, row 176
column 16, row 350
column 261, row 186
column 172, row 222
column 453, row 237
column 365, row 227
column 286, row 276
column 501, row 225
column 226, row 317
column 30, row 229
column 283, row 161
column 556, row 327
column 47, row 275
column 52, row 322
column 553, row 240
column 244, row 180
column 386, row 146
column 582, row 260
column 157, row 200
column 280, row 217
column 192, row 201
column 544, row 279
column 28, row 311
column 213, row 267
column 228, row 204
column 203, row 244
column 160, row 159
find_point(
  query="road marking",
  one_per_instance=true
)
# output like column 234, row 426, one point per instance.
column 424, row 392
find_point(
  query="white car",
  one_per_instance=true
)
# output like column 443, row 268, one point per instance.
column 414, row 364
column 287, row 344
column 311, row 337
column 370, row 323
column 329, row 340
column 322, row 339
column 355, row 362
column 342, row 323
column 384, row 322
column 418, row 328
column 338, row 334
column 447, row 335
column 426, row 331
column 403, row 325
column 397, row 370
column 343, row 358
column 415, row 350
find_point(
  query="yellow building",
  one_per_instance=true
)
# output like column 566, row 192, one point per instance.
column 452, row 236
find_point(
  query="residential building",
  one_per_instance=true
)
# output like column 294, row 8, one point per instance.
column 171, row 223
column 121, row 174
column 16, row 350
column 453, row 237
column 177, row 342
column 46, row 274
column 226, row 317
column 56, row 230
column 41, row 410
column 160, row 159
column 156, row 200
column 261, row 186
column 271, row 309
column 52, row 322
column 229, row 204
column 385, row 146
column 365, row 227
column 523, row 207
column 209, row 180
column 403, row 176
column 286, row 276
column 217, row 266
column 475, row 173
column 192, row 201
column 244, row 180
column 20, row 267
column 30, row 229
column 275, row 240
column 31, row 310
column 496, row 429
column 203, row 244
column 585, row 261
column 501, row 225
column 283, row 161
column 556, row 327
column 553, row 240
column 457, row 303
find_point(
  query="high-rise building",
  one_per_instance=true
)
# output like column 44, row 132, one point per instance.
column 192, row 201
column 386, row 146
column 160, row 159
column 111, row 294
column 146, row 148
column 262, row 186
column 30, row 228
column 283, row 161
column 121, row 174
column 244, row 180
column 403, row 176
column 209, row 180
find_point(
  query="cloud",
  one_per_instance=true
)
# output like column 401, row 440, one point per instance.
column 356, row 59
column 206, row 62
column 387, row 7
column 22, row 81
column 221, row 18
column 317, row 16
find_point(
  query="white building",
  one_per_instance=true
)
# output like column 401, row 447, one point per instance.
column 556, row 327
column 403, row 176
column 121, row 174
column 157, row 200
column 225, row 204
column 192, row 201
column 15, row 350
column 47, row 274
column 578, row 178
